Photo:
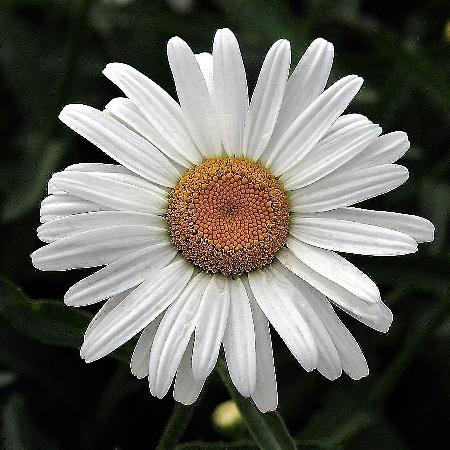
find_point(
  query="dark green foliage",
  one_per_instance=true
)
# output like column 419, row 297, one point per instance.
column 52, row 53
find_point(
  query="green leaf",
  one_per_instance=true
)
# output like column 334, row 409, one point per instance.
column 268, row 429
column 48, row 321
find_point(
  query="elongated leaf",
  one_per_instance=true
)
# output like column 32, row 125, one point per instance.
column 47, row 321
column 268, row 429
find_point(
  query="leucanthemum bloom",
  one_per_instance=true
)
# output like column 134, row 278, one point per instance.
column 224, row 215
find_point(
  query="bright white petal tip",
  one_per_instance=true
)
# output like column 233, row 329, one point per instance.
column 347, row 188
column 267, row 99
column 305, row 84
column 198, row 110
column 312, row 124
column 164, row 123
column 120, row 143
column 230, row 90
column 352, row 237
column 141, row 354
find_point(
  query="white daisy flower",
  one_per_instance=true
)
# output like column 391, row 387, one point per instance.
column 224, row 215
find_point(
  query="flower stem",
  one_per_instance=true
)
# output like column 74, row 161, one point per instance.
column 176, row 425
column 267, row 429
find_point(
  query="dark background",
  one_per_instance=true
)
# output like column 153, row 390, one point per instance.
column 52, row 53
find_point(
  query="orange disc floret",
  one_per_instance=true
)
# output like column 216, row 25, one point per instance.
column 228, row 215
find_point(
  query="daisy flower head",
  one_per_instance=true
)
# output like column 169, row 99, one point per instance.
column 223, row 215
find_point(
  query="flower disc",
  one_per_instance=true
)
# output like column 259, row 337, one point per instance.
column 228, row 215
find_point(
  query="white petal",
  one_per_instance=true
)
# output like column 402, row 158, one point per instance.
column 266, row 100
column 79, row 223
column 346, row 188
column 120, row 143
column 125, row 273
column 265, row 394
column 343, row 125
column 52, row 189
column 117, row 191
column 63, row 204
column 160, row 109
column 352, row 237
column 337, row 269
column 353, row 361
column 239, row 340
column 230, row 90
column 277, row 301
column 205, row 62
column 96, row 247
column 305, row 84
column 375, row 315
column 107, row 307
column 141, row 354
column 379, row 320
column 385, row 150
column 328, row 360
column 56, row 206
column 420, row 229
column 324, row 159
column 312, row 124
column 196, row 104
column 100, row 167
column 173, row 335
column 352, row 358
column 126, row 112
column 210, row 327
column 137, row 310
column 187, row 388
column 110, row 172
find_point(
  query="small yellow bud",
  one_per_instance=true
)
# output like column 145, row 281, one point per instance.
column 227, row 418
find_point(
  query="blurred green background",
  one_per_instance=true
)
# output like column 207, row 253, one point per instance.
column 52, row 52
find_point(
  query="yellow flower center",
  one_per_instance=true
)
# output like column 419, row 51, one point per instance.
column 228, row 215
